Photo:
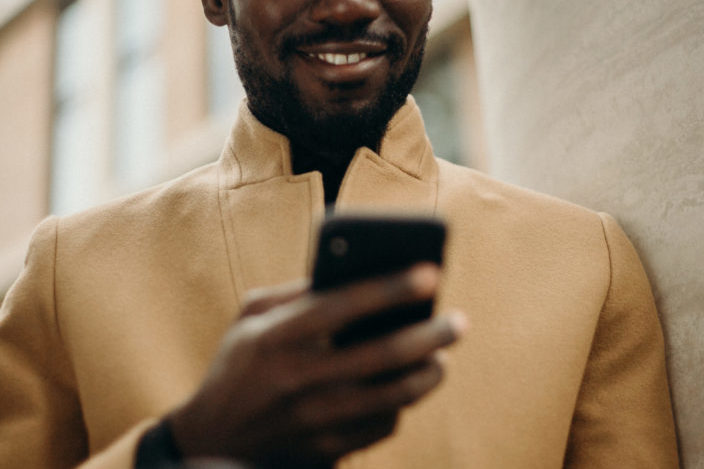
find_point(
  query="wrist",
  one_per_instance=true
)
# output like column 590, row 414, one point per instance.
column 157, row 448
column 186, row 434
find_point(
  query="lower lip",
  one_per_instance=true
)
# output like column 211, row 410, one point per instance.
column 344, row 73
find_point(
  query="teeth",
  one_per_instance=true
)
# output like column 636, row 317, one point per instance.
column 340, row 59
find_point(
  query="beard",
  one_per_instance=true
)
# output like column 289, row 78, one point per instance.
column 277, row 102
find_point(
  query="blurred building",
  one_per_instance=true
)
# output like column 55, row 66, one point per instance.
column 100, row 98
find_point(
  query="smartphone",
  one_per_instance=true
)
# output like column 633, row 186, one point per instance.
column 353, row 248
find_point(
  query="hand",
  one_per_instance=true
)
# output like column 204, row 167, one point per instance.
column 279, row 395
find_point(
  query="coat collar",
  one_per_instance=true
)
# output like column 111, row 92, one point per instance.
column 255, row 153
column 270, row 216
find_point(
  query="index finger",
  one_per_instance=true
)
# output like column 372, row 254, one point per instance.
column 259, row 300
column 323, row 314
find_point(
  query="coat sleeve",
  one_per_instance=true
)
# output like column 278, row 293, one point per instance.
column 623, row 416
column 41, row 423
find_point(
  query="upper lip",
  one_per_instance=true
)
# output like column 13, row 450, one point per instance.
column 345, row 47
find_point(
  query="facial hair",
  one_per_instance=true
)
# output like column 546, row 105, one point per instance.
column 278, row 103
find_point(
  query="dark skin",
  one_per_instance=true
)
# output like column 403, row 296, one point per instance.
column 277, row 394
column 327, row 110
column 276, row 398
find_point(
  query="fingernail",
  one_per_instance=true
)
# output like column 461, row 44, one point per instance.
column 442, row 356
column 425, row 277
column 459, row 322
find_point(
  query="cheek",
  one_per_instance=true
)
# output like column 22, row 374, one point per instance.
column 260, row 23
column 268, row 16
column 410, row 15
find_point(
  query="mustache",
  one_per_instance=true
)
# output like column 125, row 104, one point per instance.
column 395, row 44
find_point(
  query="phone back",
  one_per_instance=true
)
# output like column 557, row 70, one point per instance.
column 353, row 248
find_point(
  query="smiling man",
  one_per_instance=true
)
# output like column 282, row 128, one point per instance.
column 164, row 328
column 329, row 76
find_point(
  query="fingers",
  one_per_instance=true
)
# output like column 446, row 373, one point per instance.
column 259, row 300
column 320, row 449
column 392, row 352
column 354, row 435
column 333, row 407
column 325, row 313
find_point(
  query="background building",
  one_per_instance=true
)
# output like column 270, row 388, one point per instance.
column 100, row 98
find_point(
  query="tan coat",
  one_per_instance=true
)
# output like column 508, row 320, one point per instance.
column 120, row 309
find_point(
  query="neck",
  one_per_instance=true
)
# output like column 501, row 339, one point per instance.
column 317, row 149
column 331, row 164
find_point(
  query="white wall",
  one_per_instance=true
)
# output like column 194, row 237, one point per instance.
column 602, row 103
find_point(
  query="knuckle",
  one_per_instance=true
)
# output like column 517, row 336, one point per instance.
column 407, row 392
column 345, row 404
column 320, row 302
column 388, row 425
column 243, row 333
column 251, row 326
column 419, row 383
column 254, row 332
column 303, row 416
column 387, row 431
column 329, row 446
column 398, row 287
column 288, row 382
column 311, row 371
column 394, row 354
column 436, row 372
column 430, row 377
column 350, row 408
column 313, row 309
column 253, row 300
column 267, row 340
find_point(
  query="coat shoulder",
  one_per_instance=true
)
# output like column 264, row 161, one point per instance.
column 461, row 188
column 523, row 228
column 165, row 206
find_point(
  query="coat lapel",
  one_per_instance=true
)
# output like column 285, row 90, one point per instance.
column 401, row 177
column 268, row 213
column 272, row 249
column 373, row 184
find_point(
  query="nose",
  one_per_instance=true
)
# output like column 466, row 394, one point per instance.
column 345, row 12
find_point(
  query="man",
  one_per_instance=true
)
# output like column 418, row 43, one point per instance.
column 156, row 329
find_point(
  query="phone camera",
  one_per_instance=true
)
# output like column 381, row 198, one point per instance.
column 339, row 246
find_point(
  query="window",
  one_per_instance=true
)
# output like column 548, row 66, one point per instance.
column 436, row 95
column 225, row 90
column 139, row 106
column 109, row 101
column 76, row 168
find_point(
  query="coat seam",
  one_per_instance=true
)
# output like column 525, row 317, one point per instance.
column 233, row 182
column 610, row 259
column 233, row 281
column 585, row 369
column 55, row 303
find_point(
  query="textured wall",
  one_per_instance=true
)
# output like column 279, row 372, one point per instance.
column 602, row 103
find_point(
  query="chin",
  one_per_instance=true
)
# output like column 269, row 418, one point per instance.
column 350, row 109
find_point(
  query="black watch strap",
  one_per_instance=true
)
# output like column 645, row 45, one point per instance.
column 157, row 448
